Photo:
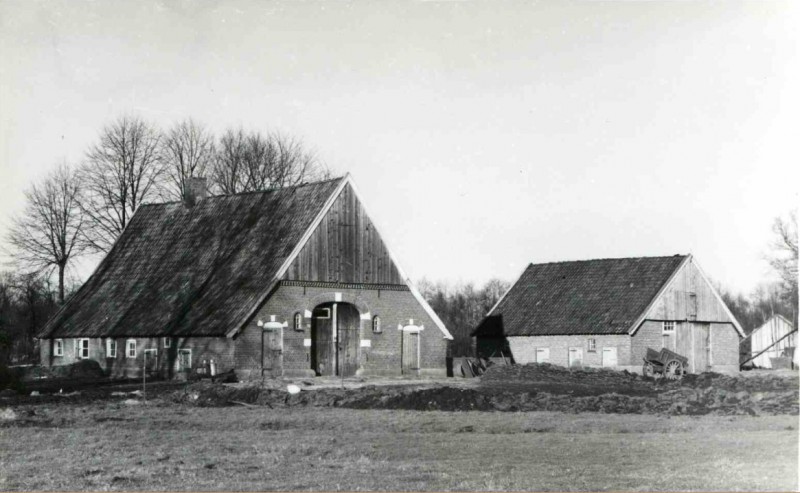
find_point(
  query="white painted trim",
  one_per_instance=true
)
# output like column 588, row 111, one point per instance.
column 129, row 345
column 414, row 291
column 109, row 342
column 719, row 300
column 58, row 343
column 79, row 354
column 366, row 316
column 640, row 319
column 292, row 256
column 508, row 290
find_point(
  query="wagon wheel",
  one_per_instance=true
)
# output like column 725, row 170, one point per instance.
column 648, row 370
column 673, row 370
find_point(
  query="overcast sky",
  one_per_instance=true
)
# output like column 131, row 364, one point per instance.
column 483, row 136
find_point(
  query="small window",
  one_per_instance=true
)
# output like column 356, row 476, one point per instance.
column 298, row 321
column 111, row 348
column 167, row 342
column 668, row 328
column 58, row 347
column 376, row 324
column 130, row 348
column 323, row 313
column 83, row 348
column 592, row 346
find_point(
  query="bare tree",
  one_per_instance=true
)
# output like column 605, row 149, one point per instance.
column 248, row 162
column 120, row 174
column 227, row 174
column 188, row 150
column 784, row 257
column 49, row 232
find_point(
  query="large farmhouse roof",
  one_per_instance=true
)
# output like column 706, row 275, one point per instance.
column 604, row 296
column 198, row 270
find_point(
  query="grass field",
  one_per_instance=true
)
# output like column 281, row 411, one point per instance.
column 109, row 445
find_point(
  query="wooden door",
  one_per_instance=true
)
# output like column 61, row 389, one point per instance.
column 348, row 323
column 410, row 353
column 323, row 361
column 701, row 347
column 683, row 341
column 575, row 356
column 271, row 352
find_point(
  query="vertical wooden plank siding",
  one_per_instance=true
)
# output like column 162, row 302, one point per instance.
column 345, row 248
column 688, row 297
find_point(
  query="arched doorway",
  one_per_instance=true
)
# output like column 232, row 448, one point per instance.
column 335, row 339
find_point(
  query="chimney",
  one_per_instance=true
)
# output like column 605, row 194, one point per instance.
column 194, row 190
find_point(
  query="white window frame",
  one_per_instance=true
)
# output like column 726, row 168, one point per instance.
column 58, row 347
column 130, row 348
column 297, row 321
column 111, row 348
column 178, row 359
column 376, row 325
column 167, row 342
column 327, row 316
column 591, row 345
column 545, row 351
column 81, row 348
column 668, row 327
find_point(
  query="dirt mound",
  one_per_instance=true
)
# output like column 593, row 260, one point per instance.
column 737, row 383
column 545, row 372
column 683, row 400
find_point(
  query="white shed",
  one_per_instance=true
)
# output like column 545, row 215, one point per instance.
column 772, row 335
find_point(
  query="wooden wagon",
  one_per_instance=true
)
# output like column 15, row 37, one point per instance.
column 664, row 363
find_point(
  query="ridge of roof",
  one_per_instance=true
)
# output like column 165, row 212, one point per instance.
column 251, row 192
column 609, row 259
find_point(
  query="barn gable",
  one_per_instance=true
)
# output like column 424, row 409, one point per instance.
column 345, row 247
column 688, row 295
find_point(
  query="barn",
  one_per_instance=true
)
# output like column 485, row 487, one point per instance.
column 288, row 282
column 607, row 312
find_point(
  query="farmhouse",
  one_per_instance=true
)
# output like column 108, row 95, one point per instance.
column 776, row 338
column 295, row 282
column 607, row 313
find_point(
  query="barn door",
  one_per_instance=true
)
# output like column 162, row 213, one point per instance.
column 410, row 353
column 348, row 324
column 322, row 339
column 692, row 341
column 271, row 352
column 701, row 347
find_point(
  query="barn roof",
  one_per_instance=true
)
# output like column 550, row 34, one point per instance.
column 198, row 271
column 604, row 296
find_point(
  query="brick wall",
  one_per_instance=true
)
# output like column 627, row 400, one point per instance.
column 724, row 347
column 383, row 355
column 523, row 348
column 220, row 349
column 648, row 335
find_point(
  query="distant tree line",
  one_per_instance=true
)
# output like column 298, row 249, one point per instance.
column 82, row 208
column 461, row 307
